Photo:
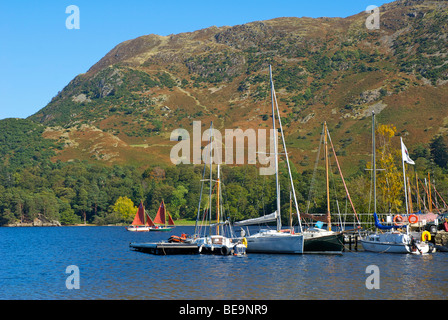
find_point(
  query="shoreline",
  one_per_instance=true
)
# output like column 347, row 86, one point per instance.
column 58, row 224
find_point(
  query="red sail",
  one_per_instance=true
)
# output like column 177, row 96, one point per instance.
column 170, row 220
column 149, row 221
column 160, row 217
column 139, row 216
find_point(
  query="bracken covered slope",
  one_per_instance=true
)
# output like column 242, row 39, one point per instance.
column 327, row 69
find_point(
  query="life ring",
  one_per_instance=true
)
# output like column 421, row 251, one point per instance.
column 413, row 218
column 397, row 219
column 244, row 242
column 426, row 236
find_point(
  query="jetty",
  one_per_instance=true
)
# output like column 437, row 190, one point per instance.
column 165, row 248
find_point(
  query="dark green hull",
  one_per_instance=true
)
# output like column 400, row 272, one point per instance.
column 326, row 244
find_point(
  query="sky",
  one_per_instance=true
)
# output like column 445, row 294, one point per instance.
column 39, row 55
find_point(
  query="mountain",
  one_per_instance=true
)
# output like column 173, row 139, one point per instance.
column 123, row 109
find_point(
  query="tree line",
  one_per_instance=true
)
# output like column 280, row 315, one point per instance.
column 76, row 192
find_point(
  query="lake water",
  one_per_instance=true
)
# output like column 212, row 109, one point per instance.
column 33, row 264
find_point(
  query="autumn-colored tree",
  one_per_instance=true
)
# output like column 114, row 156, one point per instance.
column 125, row 207
column 390, row 178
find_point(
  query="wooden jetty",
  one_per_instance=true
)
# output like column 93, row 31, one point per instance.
column 165, row 248
column 351, row 239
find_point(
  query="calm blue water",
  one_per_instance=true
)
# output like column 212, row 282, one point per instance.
column 33, row 264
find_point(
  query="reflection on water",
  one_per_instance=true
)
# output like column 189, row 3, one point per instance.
column 34, row 260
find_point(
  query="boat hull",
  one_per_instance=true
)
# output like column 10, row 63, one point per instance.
column 219, row 250
column 275, row 242
column 137, row 228
column 220, row 245
column 394, row 243
column 384, row 247
column 326, row 243
column 165, row 248
column 160, row 229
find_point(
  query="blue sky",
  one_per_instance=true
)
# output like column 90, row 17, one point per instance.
column 39, row 55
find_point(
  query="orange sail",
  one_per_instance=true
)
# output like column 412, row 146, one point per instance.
column 139, row 216
column 161, row 216
column 170, row 220
column 149, row 221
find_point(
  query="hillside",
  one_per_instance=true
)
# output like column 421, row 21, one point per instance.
column 124, row 108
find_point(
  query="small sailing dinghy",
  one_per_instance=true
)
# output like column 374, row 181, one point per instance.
column 139, row 224
column 160, row 223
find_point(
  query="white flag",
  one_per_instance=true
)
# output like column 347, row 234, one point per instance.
column 405, row 154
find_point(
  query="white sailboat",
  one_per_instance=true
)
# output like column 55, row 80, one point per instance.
column 278, row 240
column 211, row 239
column 392, row 240
column 140, row 224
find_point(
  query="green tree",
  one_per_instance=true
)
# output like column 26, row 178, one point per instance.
column 67, row 215
column 439, row 151
column 178, row 201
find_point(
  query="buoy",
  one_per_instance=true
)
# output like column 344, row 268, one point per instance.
column 397, row 219
column 244, row 242
column 426, row 236
column 413, row 218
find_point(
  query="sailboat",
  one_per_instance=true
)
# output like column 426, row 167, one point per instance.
column 392, row 240
column 139, row 224
column 160, row 223
column 317, row 239
column 278, row 240
column 212, row 238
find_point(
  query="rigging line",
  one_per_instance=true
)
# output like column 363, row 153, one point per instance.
column 428, row 197
column 262, row 194
column 343, row 180
column 200, row 196
column 313, row 178
column 311, row 193
column 287, row 160
column 439, row 195
column 227, row 213
column 333, row 180
column 211, row 174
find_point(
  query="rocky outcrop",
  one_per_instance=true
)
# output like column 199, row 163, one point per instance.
column 441, row 238
column 36, row 223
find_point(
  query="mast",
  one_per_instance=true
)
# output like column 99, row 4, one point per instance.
column 287, row 161
column 374, row 161
column 418, row 194
column 164, row 213
column 429, row 195
column 211, row 160
column 404, row 180
column 217, row 203
column 277, row 185
column 410, row 196
column 327, row 179
column 290, row 209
